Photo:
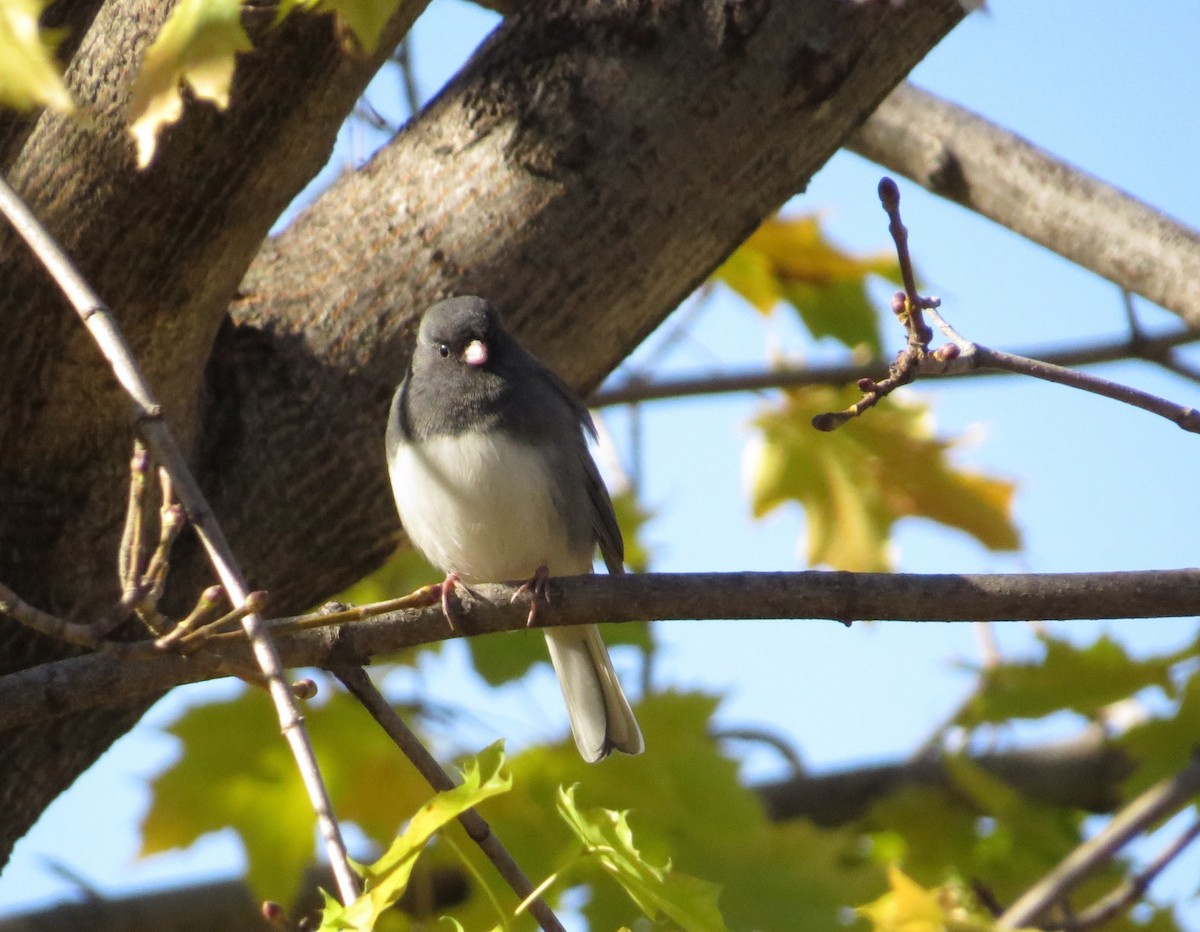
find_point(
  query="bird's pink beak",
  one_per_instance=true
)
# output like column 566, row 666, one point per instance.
column 476, row 353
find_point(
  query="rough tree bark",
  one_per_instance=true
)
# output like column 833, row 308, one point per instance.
column 590, row 165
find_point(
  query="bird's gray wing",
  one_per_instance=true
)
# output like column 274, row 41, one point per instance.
column 573, row 417
column 604, row 518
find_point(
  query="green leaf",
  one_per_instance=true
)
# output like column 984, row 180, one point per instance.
column 791, row 260
column 237, row 772
column 856, row 482
column 362, row 19
column 386, row 880
column 689, row 807
column 29, row 76
column 1164, row 746
column 1082, row 680
column 196, row 47
column 608, row 839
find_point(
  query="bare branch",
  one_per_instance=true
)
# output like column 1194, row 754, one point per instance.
column 1185, row 417
column 1135, row 887
column 1083, row 773
column 65, row 686
column 153, row 429
column 355, row 679
column 1156, row 803
column 961, row 355
column 635, row 390
column 961, row 156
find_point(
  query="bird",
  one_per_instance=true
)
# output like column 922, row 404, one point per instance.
column 489, row 464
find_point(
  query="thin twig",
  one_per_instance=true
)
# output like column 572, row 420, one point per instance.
column 77, row 633
column 636, row 390
column 961, row 355
column 1186, row 417
column 759, row 736
column 355, row 679
column 1159, row 801
column 1134, row 888
column 153, row 429
column 129, row 553
column 403, row 58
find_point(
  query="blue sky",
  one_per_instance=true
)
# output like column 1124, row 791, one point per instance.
column 1106, row 85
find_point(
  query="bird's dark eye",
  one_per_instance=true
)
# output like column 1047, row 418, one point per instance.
column 443, row 350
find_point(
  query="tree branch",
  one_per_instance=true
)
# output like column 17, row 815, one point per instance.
column 1156, row 803
column 55, row 689
column 636, row 390
column 1083, row 773
column 961, row 355
column 964, row 158
column 1134, row 887
column 355, row 679
column 151, row 425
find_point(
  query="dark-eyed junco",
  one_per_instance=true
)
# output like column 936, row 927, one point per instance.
column 494, row 481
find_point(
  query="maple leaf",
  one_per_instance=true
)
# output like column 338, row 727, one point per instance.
column 855, row 483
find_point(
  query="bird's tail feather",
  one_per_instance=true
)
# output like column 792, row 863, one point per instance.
column 601, row 719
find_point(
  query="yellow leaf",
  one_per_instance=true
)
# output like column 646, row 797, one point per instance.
column 365, row 19
column 906, row 907
column 196, row 46
column 856, row 482
column 791, row 260
column 28, row 74
column 799, row 251
column 909, row 907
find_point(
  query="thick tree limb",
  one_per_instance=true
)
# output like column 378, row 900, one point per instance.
column 82, row 683
column 664, row 132
column 966, row 159
column 166, row 248
column 588, row 168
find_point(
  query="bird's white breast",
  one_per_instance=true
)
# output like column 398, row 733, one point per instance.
column 483, row 505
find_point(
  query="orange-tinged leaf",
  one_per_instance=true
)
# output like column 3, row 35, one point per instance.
column 29, row 76
column 196, row 46
column 856, row 482
column 791, row 260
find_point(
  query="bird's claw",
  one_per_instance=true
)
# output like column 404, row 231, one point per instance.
column 536, row 588
column 444, row 590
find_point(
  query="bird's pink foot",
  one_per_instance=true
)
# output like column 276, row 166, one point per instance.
column 444, row 591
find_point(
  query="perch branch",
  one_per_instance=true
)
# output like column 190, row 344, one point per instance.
column 153, row 429
column 77, row 683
